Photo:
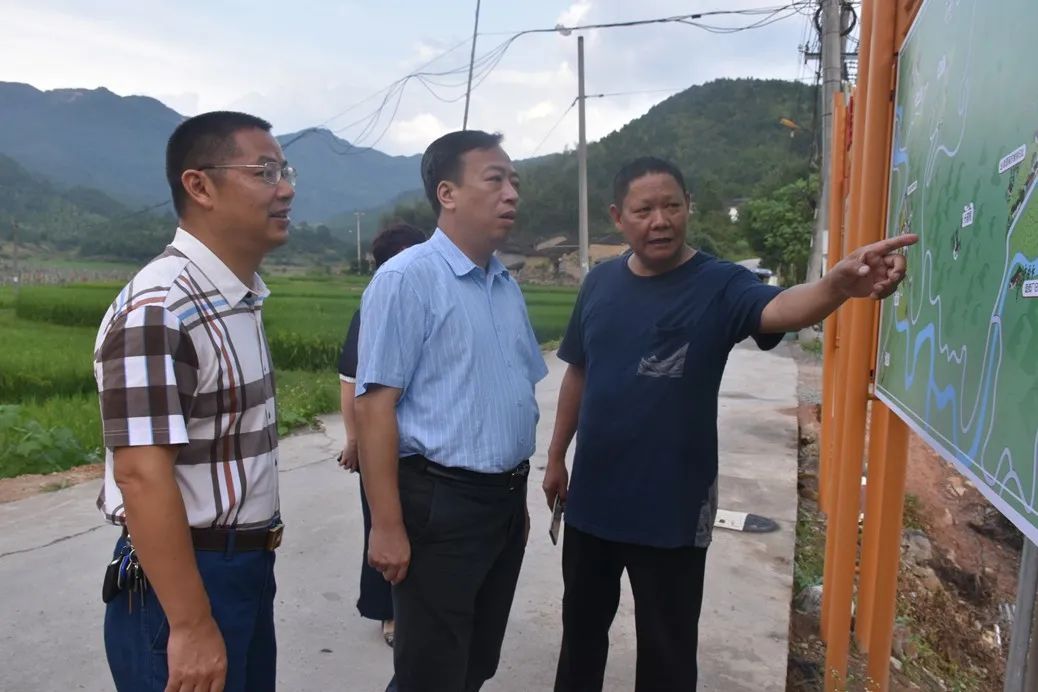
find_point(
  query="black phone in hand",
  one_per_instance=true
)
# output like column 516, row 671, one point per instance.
column 556, row 520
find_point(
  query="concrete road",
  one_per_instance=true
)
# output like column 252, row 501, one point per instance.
column 53, row 549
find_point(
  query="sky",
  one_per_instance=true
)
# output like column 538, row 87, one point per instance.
column 309, row 62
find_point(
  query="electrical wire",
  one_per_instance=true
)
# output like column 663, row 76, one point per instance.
column 557, row 123
column 485, row 64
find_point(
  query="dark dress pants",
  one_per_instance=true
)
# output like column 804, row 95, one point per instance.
column 667, row 584
column 467, row 545
column 376, row 595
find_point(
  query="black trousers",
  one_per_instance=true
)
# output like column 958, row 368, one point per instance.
column 467, row 545
column 376, row 595
column 668, row 594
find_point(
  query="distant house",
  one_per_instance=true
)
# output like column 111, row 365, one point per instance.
column 556, row 259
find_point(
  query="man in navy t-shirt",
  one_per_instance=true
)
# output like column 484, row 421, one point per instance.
column 646, row 346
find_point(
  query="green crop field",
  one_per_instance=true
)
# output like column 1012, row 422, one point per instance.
column 49, row 418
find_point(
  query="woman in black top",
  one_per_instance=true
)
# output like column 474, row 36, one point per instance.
column 375, row 602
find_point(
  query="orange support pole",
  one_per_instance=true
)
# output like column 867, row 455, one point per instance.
column 874, row 496
column 843, row 524
column 826, row 448
column 888, row 460
column 875, row 487
column 843, row 331
column 888, row 554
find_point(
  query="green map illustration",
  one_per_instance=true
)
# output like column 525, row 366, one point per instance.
column 958, row 342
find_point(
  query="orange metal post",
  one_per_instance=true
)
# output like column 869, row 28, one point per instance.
column 888, row 554
column 835, row 251
column 875, row 488
column 888, row 460
column 843, row 526
column 843, row 329
column 874, row 493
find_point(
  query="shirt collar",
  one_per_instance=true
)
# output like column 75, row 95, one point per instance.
column 459, row 262
column 229, row 285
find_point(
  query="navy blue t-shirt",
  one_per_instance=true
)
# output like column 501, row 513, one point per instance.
column 653, row 350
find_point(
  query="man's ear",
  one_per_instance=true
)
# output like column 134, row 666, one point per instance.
column 445, row 193
column 199, row 188
column 614, row 213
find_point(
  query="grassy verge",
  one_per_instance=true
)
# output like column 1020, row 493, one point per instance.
column 304, row 395
column 39, row 360
column 809, row 561
column 53, row 435
column 47, row 389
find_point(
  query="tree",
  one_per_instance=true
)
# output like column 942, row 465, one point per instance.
column 416, row 212
column 779, row 224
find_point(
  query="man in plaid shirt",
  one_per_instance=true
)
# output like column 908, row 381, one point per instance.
column 187, row 401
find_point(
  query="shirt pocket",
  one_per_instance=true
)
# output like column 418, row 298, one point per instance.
column 668, row 351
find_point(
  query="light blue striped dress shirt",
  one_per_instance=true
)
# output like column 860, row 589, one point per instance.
column 457, row 340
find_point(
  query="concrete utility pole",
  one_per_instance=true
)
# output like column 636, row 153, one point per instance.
column 17, row 268
column 1022, row 663
column 832, row 74
column 472, row 62
column 582, row 229
column 360, row 265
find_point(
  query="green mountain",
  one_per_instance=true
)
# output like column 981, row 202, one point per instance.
column 116, row 144
column 75, row 220
column 83, row 222
column 724, row 135
column 337, row 177
column 88, row 137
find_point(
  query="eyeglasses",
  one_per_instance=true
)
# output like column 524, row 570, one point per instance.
column 273, row 171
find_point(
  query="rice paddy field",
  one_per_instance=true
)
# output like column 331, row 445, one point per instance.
column 49, row 417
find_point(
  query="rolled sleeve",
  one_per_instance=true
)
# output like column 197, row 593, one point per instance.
column 392, row 332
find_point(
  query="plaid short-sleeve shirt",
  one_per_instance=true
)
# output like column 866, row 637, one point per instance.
column 181, row 358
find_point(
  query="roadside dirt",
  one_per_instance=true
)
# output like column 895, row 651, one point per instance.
column 19, row 487
column 954, row 599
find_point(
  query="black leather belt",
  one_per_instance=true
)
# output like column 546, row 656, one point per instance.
column 238, row 540
column 235, row 540
column 510, row 479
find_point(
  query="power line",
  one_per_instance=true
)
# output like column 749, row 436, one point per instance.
column 314, row 128
column 485, row 64
column 683, row 18
column 598, row 96
column 472, row 63
column 557, row 123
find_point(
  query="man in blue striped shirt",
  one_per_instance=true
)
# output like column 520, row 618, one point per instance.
column 447, row 416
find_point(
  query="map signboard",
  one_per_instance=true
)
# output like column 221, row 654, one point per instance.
column 958, row 341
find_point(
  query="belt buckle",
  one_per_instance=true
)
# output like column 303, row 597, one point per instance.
column 274, row 536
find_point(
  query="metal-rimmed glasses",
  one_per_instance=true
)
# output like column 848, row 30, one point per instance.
column 273, row 171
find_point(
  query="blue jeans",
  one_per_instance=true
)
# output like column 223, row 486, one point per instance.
column 241, row 594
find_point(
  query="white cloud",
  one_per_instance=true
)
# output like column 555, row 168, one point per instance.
column 185, row 103
column 541, row 110
column 574, row 13
column 314, row 77
column 563, row 74
column 417, row 132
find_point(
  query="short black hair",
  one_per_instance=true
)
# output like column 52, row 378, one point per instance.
column 394, row 238
column 442, row 160
column 204, row 140
column 632, row 170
